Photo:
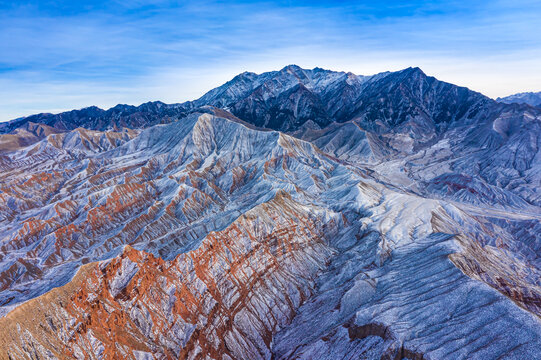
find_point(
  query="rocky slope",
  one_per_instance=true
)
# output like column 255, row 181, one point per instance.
column 530, row 98
column 396, row 217
column 477, row 150
column 406, row 118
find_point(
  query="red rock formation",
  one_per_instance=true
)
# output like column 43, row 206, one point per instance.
column 223, row 300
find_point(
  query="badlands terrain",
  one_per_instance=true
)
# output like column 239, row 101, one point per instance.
column 294, row 214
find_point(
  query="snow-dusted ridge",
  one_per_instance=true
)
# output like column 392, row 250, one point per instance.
column 392, row 216
column 530, row 98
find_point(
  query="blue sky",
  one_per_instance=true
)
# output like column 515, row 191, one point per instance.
column 59, row 55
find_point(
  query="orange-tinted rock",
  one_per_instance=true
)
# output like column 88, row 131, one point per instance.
column 226, row 298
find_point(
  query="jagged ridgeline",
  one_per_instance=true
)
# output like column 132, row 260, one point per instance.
column 294, row 214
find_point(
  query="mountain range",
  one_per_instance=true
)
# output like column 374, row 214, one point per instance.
column 292, row 214
column 531, row 98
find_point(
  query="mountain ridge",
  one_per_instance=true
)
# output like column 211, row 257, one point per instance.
column 530, row 98
column 406, row 227
column 205, row 99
